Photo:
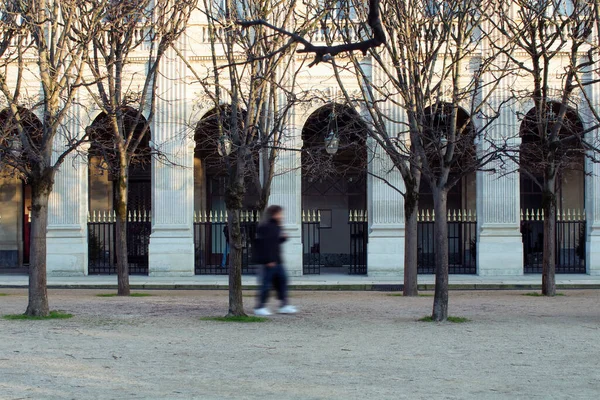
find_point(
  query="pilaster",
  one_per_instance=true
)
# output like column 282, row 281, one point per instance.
column 286, row 191
column 171, row 247
column 67, row 250
column 499, row 243
column 592, row 184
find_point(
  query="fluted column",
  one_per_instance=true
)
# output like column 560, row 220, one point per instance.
column 385, row 203
column 286, row 187
column 171, row 245
column 499, row 245
column 67, row 250
column 592, row 183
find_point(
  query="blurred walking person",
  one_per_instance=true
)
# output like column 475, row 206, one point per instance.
column 269, row 238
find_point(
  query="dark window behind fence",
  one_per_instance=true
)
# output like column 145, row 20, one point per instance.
column 211, row 248
column 102, row 258
column 462, row 242
column 570, row 241
column 311, row 238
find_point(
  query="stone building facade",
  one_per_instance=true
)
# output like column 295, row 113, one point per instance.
column 494, row 203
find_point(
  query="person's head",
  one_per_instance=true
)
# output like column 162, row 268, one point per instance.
column 274, row 212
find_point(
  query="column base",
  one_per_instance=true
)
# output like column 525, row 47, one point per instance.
column 66, row 251
column 171, row 253
column 592, row 250
column 385, row 252
column 292, row 253
column 500, row 252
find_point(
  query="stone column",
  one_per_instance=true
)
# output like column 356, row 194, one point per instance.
column 171, row 245
column 386, row 217
column 385, row 203
column 592, row 183
column 67, row 250
column 286, row 191
column 499, row 245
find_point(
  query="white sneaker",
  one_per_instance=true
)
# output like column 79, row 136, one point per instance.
column 288, row 310
column 262, row 312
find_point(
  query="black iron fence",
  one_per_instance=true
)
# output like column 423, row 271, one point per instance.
column 359, row 236
column 462, row 242
column 570, row 241
column 311, row 242
column 102, row 258
column 211, row 246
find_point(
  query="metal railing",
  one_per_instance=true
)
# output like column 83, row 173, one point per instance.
column 462, row 242
column 311, row 242
column 359, row 236
column 102, row 258
column 570, row 241
column 211, row 247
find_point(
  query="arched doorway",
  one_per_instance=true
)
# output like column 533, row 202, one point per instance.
column 101, row 177
column 462, row 197
column 15, row 193
column 334, row 187
column 213, row 146
column 570, row 189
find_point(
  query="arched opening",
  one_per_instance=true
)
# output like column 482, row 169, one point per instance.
column 103, row 165
column 569, row 186
column 462, row 197
column 213, row 147
column 102, row 173
column 15, row 193
column 334, row 188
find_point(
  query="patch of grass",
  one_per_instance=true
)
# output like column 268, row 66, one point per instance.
column 3, row 294
column 395, row 294
column 131, row 295
column 538, row 294
column 53, row 315
column 140, row 295
column 399, row 294
column 244, row 319
column 455, row 320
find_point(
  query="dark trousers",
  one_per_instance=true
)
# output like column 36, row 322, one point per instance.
column 272, row 276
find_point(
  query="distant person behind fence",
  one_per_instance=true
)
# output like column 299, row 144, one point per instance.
column 268, row 252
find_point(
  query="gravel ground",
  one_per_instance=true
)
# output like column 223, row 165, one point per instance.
column 343, row 345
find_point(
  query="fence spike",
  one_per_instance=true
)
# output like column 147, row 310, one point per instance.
column 303, row 216
column 433, row 215
column 114, row 219
column 319, row 216
column 427, row 216
column 579, row 214
column 583, row 215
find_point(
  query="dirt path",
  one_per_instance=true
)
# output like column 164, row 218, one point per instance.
column 343, row 345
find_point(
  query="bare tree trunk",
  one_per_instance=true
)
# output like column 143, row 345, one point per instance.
column 411, row 209
column 549, row 258
column 121, row 229
column 38, row 293
column 440, row 300
column 233, row 199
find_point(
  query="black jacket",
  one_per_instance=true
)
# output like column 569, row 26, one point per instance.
column 267, row 246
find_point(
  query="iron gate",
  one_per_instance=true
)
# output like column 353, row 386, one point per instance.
column 102, row 258
column 311, row 246
column 570, row 241
column 211, row 248
column 462, row 242
column 358, row 242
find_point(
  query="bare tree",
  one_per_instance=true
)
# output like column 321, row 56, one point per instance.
column 553, row 54
column 32, row 148
column 252, row 70
column 130, row 29
column 432, row 68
